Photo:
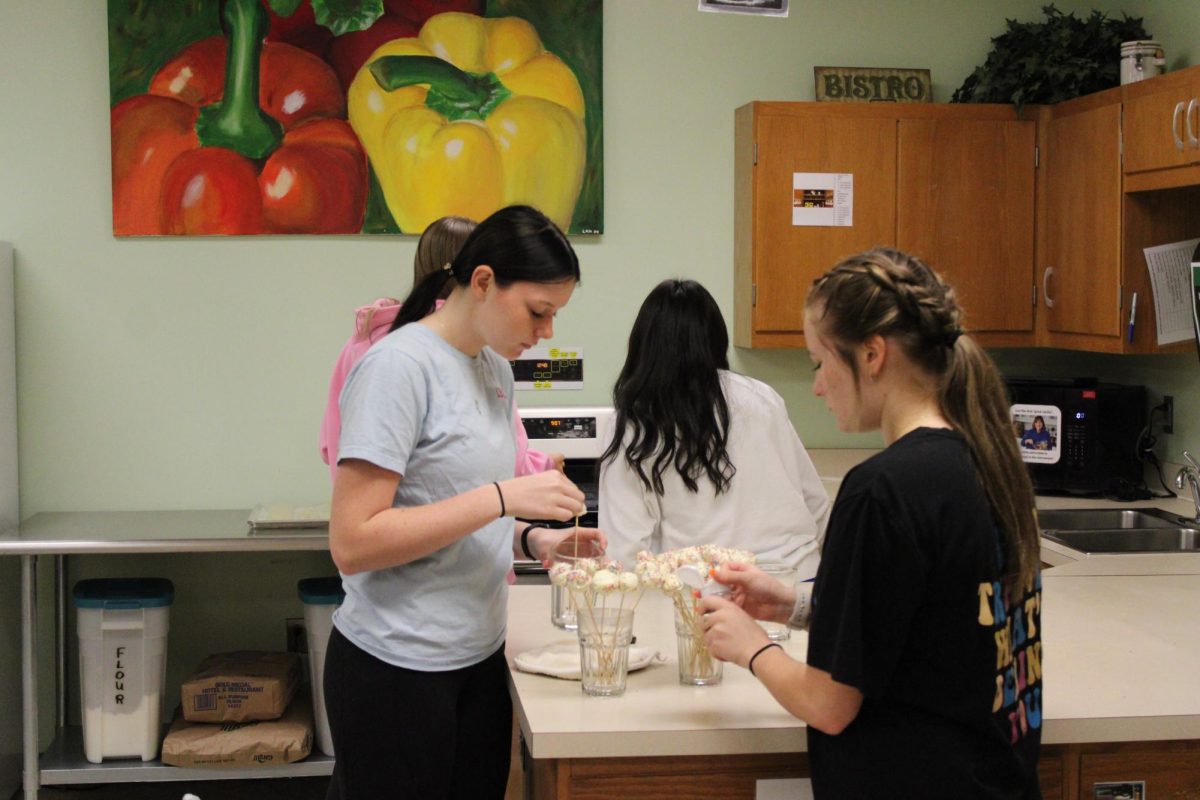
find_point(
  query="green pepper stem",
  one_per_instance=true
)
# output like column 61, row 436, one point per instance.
column 237, row 122
column 452, row 92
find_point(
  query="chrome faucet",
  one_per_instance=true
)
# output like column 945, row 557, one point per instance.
column 1190, row 472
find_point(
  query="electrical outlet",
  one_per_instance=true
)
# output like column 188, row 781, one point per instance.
column 1168, row 414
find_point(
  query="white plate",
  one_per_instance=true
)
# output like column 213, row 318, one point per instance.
column 561, row 659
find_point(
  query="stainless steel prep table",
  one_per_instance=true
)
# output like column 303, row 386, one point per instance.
column 61, row 534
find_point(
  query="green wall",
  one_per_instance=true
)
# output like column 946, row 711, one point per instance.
column 192, row 373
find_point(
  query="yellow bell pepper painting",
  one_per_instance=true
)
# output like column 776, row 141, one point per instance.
column 353, row 116
column 471, row 115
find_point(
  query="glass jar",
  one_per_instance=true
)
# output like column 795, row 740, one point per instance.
column 778, row 631
column 604, row 638
column 697, row 667
column 568, row 551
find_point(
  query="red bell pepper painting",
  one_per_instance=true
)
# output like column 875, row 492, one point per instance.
column 235, row 117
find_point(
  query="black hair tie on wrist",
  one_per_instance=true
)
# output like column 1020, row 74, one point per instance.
column 759, row 652
column 525, row 542
column 501, row 496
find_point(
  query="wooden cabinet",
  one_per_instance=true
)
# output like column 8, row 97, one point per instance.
column 1162, row 129
column 1040, row 225
column 1081, row 274
column 965, row 205
column 729, row 777
column 1093, row 226
column 1169, row 769
column 952, row 184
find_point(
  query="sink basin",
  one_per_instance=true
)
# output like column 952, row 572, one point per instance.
column 1092, row 519
column 1130, row 540
column 1120, row 530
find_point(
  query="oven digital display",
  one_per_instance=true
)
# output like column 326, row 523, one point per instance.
column 560, row 427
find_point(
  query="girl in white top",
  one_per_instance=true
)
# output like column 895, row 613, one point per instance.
column 699, row 454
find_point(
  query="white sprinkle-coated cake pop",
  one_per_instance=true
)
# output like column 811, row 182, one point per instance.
column 604, row 581
column 558, row 574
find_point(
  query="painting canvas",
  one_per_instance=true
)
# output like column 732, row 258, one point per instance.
column 236, row 117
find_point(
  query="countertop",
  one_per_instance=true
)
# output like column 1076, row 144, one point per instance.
column 1119, row 666
column 1121, row 632
column 218, row 530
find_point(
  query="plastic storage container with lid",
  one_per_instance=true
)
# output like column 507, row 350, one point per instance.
column 321, row 597
column 122, row 625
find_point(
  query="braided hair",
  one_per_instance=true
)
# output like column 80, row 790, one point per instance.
column 891, row 294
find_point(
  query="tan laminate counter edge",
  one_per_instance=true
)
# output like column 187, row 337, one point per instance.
column 1122, row 636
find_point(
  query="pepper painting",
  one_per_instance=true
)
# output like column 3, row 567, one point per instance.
column 242, row 117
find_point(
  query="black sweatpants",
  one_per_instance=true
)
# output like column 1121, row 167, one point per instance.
column 399, row 733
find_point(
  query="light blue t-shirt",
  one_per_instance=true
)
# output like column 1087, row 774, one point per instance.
column 443, row 420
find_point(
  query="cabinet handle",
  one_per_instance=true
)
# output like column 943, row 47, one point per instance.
column 1046, row 286
column 1177, row 126
column 1187, row 121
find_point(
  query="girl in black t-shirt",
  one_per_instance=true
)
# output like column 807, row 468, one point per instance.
column 923, row 673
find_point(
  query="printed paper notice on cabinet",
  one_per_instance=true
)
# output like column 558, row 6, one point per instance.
column 1169, row 266
column 823, row 199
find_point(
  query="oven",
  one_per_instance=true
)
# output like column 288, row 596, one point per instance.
column 579, row 433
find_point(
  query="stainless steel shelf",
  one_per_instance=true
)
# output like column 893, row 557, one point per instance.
column 64, row 763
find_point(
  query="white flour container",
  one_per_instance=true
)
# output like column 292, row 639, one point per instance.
column 1140, row 60
column 122, row 625
column 321, row 597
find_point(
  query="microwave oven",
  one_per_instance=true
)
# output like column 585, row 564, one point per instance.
column 1079, row 435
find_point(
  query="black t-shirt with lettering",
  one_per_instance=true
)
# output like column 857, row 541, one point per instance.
column 909, row 608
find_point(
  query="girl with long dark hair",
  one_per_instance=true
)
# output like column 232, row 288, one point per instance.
column 700, row 454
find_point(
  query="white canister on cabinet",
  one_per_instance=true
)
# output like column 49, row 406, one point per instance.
column 1141, row 59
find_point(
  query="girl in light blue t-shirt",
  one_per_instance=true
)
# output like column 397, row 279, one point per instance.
column 421, row 526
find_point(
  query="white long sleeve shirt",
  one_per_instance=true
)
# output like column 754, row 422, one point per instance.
column 775, row 506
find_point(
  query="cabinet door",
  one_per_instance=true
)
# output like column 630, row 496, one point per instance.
column 965, row 205
column 787, row 258
column 1169, row 773
column 1161, row 126
column 1083, row 222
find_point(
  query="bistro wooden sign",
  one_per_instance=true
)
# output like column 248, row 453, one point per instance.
column 869, row 85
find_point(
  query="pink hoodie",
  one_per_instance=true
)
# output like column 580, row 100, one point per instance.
column 371, row 324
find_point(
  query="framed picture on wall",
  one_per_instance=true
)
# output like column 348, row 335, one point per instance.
column 774, row 8
column 236, row 117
